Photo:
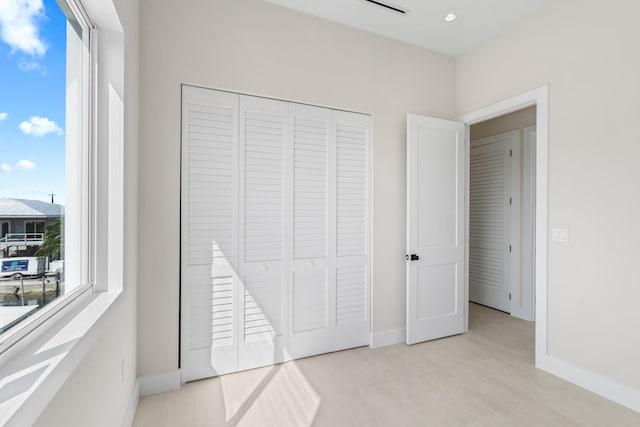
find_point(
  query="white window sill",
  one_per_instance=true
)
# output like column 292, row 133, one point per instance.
column 31, row 379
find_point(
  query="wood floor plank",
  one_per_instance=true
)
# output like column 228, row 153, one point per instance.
column 485, row 377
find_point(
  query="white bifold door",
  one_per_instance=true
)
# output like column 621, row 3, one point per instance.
column 275, row 231
column 435, row 228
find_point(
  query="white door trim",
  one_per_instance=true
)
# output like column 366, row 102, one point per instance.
column 527, row 271
column 540, row 98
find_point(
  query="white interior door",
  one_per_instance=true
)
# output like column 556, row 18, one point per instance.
column 275, row 231
column 352, row 135
column 329, row 282
column 493, row 245
column 435, row 228
column 310, row 280
column 262, row 232
column 209, row 262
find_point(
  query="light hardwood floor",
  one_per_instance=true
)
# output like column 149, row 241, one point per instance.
column 483, row 378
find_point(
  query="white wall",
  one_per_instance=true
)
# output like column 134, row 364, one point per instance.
column 517, row 120
column 98, row 393
column 587, row 51
column 255, row 47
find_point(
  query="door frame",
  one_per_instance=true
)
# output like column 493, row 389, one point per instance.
column 540, row 98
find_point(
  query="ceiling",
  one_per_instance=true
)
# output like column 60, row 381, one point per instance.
column 423, row 24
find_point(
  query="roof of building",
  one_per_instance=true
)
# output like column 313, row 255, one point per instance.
column 22, row 208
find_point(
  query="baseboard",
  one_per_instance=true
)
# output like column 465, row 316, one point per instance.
column 160, row 383
column 385, row 338
column 133, row 405
column 621, row 394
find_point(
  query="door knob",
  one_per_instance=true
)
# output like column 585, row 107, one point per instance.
column 412, row 257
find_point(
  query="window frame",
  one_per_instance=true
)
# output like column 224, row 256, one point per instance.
column 72, row 329
column 16, row 339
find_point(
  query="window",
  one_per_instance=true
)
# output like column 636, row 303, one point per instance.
column 34, row 227
column 4, row 229
column 44, row 162
column 91, row 227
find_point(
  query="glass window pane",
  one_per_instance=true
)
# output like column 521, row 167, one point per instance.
column 43, row 157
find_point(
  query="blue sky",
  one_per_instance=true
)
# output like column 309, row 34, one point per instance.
column 32, row 99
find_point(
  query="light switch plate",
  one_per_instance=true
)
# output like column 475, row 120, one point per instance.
column 560, row 235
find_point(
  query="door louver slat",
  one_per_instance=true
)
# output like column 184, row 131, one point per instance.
column 351, row 295
column 211, row 190
column 263, row 177
column 486, row 218
column 310, row 172
column 351, row 220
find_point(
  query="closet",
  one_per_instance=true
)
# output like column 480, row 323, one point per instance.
column 275, row 259
column 494, row 219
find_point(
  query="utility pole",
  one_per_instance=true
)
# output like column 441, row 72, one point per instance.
column 52, row 194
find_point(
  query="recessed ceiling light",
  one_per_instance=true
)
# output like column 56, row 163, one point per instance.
column 450, row 17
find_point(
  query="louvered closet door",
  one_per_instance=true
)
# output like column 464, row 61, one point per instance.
column 311, row 278
column 489, row 222
column 209, row 233
column 351, row 133
column 263, row 248
column 275, row 231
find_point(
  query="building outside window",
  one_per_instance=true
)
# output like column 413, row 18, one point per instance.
column 28, row 221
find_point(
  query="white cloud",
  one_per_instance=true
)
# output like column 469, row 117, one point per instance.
column 3, row 116
column 5, row 167
column 39, row 126
column 26, row 165
column 26, row 65
column 18, row 19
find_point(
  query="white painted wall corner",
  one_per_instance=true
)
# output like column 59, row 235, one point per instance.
column 151, row 384
column 133, row 405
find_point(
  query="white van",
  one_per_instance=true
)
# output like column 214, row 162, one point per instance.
column 22, row 267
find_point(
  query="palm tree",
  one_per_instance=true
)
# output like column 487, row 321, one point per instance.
column 51, row 246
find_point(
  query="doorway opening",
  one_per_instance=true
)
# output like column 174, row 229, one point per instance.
column 537, row 98
column 501, row 213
